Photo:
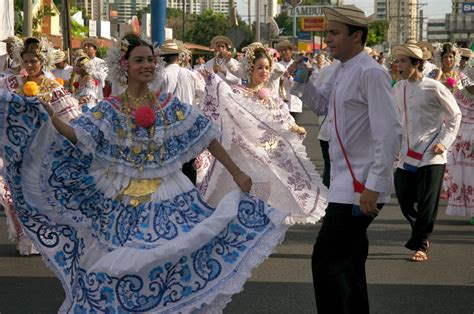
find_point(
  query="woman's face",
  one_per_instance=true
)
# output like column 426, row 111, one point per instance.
column 141, row 65
column 261, row 71
column 32, row 64
column 448, row 60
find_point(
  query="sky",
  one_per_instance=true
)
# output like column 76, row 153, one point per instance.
column 435, row 9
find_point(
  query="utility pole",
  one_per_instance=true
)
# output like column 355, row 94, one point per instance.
column 158, row 21
column 184, row 21
column 257, row 20
column 27, row 18
column 66, row 23
column 250, row 17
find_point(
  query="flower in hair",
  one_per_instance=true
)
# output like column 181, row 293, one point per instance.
column 145, row 116
column 123, row 63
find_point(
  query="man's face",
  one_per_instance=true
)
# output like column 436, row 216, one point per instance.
column 90, row 50
column 339, row 41
column 463, row 61
column 9, row 48
column 286, row 53
column 405, row 67
column 219, row 47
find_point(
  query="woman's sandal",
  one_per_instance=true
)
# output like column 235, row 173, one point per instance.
column 419, row 256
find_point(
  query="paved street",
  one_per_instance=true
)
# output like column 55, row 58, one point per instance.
column 283, row 283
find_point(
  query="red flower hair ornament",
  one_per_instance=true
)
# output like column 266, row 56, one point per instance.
column 145, row 116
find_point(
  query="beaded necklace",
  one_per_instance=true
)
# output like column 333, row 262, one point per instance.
column 127, row 132
column 140, row 190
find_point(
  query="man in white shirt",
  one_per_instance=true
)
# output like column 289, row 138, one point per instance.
column 365, row 135
column 431, row 118
column 181, row 82
column 187, row 86
column 8, row 65
column 99, row 67
column 221, row 44
column 62, row 70
column 464, row 65
column 285, row 48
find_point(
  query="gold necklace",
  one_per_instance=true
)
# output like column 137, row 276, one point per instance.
column 140, row 190
column 138, row 101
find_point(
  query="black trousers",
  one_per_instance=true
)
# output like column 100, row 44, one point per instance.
column 190, row 171
column 423, row 189
column 327, row 162
column 338, row 262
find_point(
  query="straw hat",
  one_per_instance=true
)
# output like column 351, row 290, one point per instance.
column 411, row 41
column 465, row 52
column 90, row 41
column 9, row 40
column 170, row 47
column 427, row 55
column 408, row 50
column 425, row 44
column 347, row 14
column 283, row 44
column 60, row 56
column 221, row 38
column 368, row 50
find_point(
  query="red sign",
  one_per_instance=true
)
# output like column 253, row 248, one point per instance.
column 313, row 24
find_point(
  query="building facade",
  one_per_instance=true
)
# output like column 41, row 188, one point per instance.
column 459, row 24
column 403, row 21
column 436, row 31
column 380, row 10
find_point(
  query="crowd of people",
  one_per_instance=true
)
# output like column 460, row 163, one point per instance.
column 149, row 184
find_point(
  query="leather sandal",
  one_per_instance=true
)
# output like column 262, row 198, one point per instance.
column 420, row 256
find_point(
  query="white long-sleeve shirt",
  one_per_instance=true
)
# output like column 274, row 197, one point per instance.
column 432, row 116
column 185, row 84
column 368, row 122
column 228, row 77
column 294, row 103
column 99, row 72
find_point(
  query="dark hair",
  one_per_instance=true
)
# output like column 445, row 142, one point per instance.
column 420, row 63
column 363, row 29
column 135, row 41
column 30, row 47
column 172, row 58
column 447, row 49
column 260, row 53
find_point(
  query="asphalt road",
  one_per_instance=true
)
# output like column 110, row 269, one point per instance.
column 283, row 283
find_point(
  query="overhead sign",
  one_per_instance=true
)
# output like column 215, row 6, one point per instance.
column 468, row 7
column 313, row 24
column 306, row 10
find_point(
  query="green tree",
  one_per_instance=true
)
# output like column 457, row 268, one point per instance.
column 207, row 25
column 285, row 23
column 77, row 30
column 377, row 32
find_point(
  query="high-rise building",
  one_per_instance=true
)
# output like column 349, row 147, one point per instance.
column 380, row 10
column 404, row 21
column 436, row 31
column 221, row 6
column 460, row 25
column 192, row 6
